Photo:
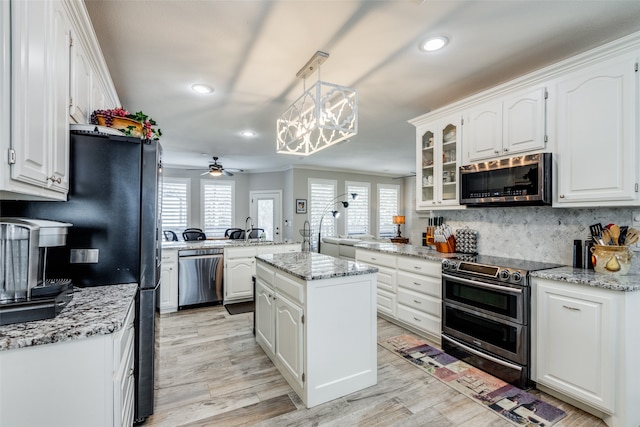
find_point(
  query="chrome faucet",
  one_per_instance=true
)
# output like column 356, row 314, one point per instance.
column 247, row 230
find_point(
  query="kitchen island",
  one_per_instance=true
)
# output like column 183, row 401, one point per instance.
column 316, row 320
column 74, row 369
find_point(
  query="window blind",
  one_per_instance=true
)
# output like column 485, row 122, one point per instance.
column 321, row 194
column 357, row 215
column 217, row 207
column 388, row 206
column 175, row 204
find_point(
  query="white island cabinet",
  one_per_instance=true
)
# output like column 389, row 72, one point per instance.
column 316, row 320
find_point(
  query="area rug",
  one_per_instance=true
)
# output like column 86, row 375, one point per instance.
column 515, row 405
column 240, row 307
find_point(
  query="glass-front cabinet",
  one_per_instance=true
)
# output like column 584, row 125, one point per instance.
column 438, row 154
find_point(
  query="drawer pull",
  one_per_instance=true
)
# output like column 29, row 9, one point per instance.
column 416, row 319
column 571, row 308
column 417, row 283
column 417, row 302
column 417, row 268
column 373, row 259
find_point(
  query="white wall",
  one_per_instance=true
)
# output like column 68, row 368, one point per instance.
column 294, row 185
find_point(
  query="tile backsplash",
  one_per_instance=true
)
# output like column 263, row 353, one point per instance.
column 536, row 233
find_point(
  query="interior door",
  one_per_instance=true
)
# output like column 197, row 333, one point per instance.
column 266, row 211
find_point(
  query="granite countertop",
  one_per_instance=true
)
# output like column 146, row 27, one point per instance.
column 424, row 252
column 313, row 266
column 579, row 276
column 98, row 310
column 221, row 244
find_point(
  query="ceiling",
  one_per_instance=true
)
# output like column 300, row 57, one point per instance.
column 251, row 50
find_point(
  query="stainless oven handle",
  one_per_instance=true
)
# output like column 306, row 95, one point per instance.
column 483, row 285
column 483, row 355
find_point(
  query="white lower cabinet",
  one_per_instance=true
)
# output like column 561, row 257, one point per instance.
column 320, row 334
column 409, row 290
column 240, row 267
column 84, row 382
column 585, row 347
column 169, row 281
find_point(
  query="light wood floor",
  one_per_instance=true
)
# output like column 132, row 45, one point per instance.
column 211, row 372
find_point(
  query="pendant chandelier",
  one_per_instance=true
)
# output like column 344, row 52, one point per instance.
column 323, row 116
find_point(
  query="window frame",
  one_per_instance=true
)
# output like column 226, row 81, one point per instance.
column 203, row 206
column 312, row 210
column 393, row 228
column 360, row 200
column 175, row 180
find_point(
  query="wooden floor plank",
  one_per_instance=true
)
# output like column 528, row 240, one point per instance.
column 211, row 372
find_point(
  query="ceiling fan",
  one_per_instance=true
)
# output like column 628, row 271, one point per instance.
column 216, row 169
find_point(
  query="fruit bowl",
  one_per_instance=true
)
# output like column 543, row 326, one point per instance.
column 611, row 259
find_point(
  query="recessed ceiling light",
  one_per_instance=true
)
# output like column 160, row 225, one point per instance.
column 202, row 88
column 248, row 133
column 434, row 43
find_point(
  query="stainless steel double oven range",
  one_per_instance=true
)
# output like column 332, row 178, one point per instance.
column 486, row 314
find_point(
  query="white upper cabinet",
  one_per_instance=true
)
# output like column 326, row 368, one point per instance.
column 438, row 157
column 51, row 63
column 80, row 90
column 597, row 154
column 39, row 142
column 513, row 124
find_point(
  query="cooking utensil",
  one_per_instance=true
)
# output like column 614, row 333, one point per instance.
column 596, row 231
column 614, row 231
column 632, row 236
column 623, row 234
column 606, row 236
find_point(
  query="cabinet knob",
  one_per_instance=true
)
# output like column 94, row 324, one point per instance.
column 496, row 152
column 562, row 196
column 55, row 179
column 506, row 149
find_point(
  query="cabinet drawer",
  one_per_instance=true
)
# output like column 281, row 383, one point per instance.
column 386, row 278
column 386, row 302
column 265, row 273
column 418, row 319
column 420, row 283
column 419, row 266
column 376, row 258
column 169, row 256
column 421, row 302
column 247, row 252
column 123, row 384
column 291, row 288
column 122, row 337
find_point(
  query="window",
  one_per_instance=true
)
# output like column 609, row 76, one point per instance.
column 357, row 215
column 217, row 206
column 175, row 204
column 321, row 194
column 388, row 206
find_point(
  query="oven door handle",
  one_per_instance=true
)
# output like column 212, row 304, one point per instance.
column 483, row 355
column 483, row 285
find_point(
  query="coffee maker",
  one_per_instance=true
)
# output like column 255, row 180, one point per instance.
column 25, row 292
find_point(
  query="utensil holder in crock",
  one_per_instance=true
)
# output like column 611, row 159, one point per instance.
column 611, row 259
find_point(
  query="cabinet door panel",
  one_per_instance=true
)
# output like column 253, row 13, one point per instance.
column 29, row 21
column 238, row 278
column 524, row 122
column 596, row 134
column 265, row 326
column 575, row 345
column 289, row 338
column 483, row 135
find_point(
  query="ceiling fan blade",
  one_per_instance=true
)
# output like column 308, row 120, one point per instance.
column 224, row 172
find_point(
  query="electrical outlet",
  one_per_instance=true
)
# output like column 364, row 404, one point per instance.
column 635, row 223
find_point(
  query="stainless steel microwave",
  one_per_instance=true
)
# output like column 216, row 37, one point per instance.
column 522, row 180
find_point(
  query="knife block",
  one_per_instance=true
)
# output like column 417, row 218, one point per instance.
column 447, row 247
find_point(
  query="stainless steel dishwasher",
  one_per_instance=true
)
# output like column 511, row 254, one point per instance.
column 200, row 276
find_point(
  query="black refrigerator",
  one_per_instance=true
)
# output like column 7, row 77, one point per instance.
column 113, row 206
